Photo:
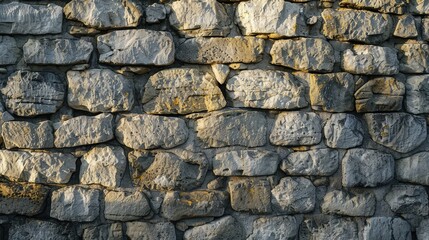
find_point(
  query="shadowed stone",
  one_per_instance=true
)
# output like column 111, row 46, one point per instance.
column 344, row 203
column 9, row 51
column 387, row 228
column 413, row 169
column 38, row 230
column 250, row 194
column 276, row 227
column 226, row 228
column 125, row 206
column 408, row 199
column 22, row 198
column 150, row 231
column 417, row 99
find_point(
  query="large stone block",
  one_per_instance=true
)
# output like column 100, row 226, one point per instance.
column 318, row 162
column 38, row 230
column 226, row 228
column 413, row 57
column 343, row 131
column 125, row 205
column 417, row 97
column 250, row 194
column 334, row 228
column 387, row 228
column 22, row 198
column 276, row 227
column 348, row 204
column 418, row 6
column 9, row 51
column 106, row 231
column 384, row 6
column 150, row 231
column 293, row 195
column 413, row 169
column 21, row 134
column 408, row 199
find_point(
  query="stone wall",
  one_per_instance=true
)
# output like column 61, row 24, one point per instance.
column 205, row 119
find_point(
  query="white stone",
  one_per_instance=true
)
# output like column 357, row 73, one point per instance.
column 343, row 131
column 294, row 195
column 125, row 205
column 318, row 162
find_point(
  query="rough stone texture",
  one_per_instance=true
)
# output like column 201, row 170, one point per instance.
column 142, row 131
column 125, row 206
column 318, row 162
column 150, row 231
column 155, row 13
column 84, row 93
column 182, row 91
column 413, row 169
column 422, row 231
column 401, row 132
column 351, row 25
column 344, row 203
column 22, row 198
column 406, row 27
column 20, row 134
column 121, row 47
column 245, row 163
column 306, row 54
column 84, row 130
column 293, row 195
column 384, row 94
column 275, row 18
column 276, row 227
column 232, row 127
column 343, row 131
column 336, row 228
column 33, row 93
column 46, row 51
column 408, row 199
column 418, row 7
column 425, row 28
column 250, row 194
column 220, row 71
column 367, row 168
column 266, row 89
column 417, row 99
column 296, row 128
column 413, row 57
column 220, row 50
column 21, row 18
column 200, row 18
column 75, row 203
column 106, row 231
column 104, row 14
column 39, row 167
column 226, row 228
column 384, row 6
column 180, row 205
column 9, row 51
column 38, row 230
column 387, row 228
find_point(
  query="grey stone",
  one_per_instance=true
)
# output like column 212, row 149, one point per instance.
column 155, row 13
column 296, row 128
column 275, row 227
column 317, row 162
column 41, row 230
column 413, row 57
column 232, row 127
column 150, row 231
column 225, row 228
column 21, row 18
column 125, row 205
column 413, row 169
column 417, row 99
column 33, row 93
column 62, row 51
column 418, row 6
column 386, row 228
column 367, row 168
column 21, row 134
column 182, row 91
column 250, row 194
column 337, row 228
column 256, row 162
column 84, row 130
column 84, row 91
column 104, row 14
column 266, row 89
column 275, row 18
column 136, row 47
column 406, row 27
column 220, row 50
column 9, row 51
column 408, row 199
column 142, row 131
column 384, row 6
column 306, row 54
column 422, row 230
column 22, row 198
column 106, row 232
column 343, row 131
column 39, row 167
column 293, row 195
column 220, row 72
column 348, row 204
column 200, row 203
column 425, row 28
column 401, row 132
column 352, row 25
column 200, row 18
column 76, row 204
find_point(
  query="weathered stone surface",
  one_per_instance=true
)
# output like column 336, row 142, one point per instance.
column 343, row 131
column 226, row 228
column 75, row 204
column 125, row 206
column 155, row 13
column 356, row 25
column 408, row 199
column 401, row 132
column 136, row 47
column 425, row 28
column 418, row 6
column 324, row 86
column 413, row 169
column 413, row 57
column 106, row 231
column 21, row 18
column 33, row 93
column 39, row 167
column 38, row 230
column 266, row 89
column 250, row 194
column 104, row 14
column 232, row 127
column 20, row 134
column 221, row 50
column 406, row 27
column 256, row 162
column 104, row 165
column 296, row 128
column 384, row 6
column 83, row 31
column 344, row 203
column 220, row 72
column 277, row 227
column 84, row 91
column 275, row 18
column 9, row 52
column 201, row 203
column 417, row 99
column 422, row 231
column 63, row 51
column 306, row 54
column 22, row 198
column 318, row 162
column 387, row 228
column 337, row 228
column 200, row 18
column 367, row 168
column 182, row 91
column 293, row 195
column 382, row 94
column 142, row 131
column 370, row 60
column 84, row 130
column 150, row 231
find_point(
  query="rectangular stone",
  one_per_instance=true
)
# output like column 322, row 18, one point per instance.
column 250, row 194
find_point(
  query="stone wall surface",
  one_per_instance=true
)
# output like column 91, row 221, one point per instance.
column 214, row 119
